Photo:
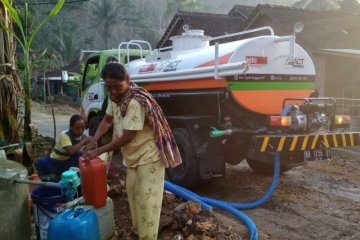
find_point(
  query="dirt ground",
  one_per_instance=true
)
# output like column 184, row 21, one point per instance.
column 179, row 220
column 320, row 200
column 43, row 119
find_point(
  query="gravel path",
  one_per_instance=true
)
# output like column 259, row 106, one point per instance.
column 43, row 121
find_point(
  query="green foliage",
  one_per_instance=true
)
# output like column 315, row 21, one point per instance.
column 110, row 12
column 91, row 74
column 326, row 5
column 182, row 5
column 25, row 41
column 44, row 61
column 64, row 44
column 76, row 82
column 350, row 5
column 91, row 70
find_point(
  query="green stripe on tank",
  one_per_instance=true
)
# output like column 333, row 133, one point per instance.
column 142, row 84
column 253, row 86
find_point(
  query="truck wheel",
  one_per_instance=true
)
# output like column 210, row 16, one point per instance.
column 94, row 124
column 106, row 138
column 187, row 174
column 265, row 168
column 235, row 154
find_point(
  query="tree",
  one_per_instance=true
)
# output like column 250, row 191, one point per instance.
column 64, row 44
column 181, row 5
column 25, row 40
column 326, row 5
column 184, row 5
column 44, row 61
column 350, row 5
column 319, row 5
column 108, row 13
column 10, row 86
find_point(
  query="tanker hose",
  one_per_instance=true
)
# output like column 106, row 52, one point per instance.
column 286, row 110
column 185, row 194
column 232, row 208
column 268, row 194
column 250, row 225
column 188, row 195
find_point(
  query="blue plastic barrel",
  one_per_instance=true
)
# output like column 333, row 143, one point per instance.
column 80, row 224
column 48, row 204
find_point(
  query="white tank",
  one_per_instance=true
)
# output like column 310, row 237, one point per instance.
column 259, row 72
column 264, row 55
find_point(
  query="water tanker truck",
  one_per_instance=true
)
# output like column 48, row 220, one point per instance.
column 241, row 99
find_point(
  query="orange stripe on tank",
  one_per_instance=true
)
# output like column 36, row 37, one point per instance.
column 187, row 85
column 267, row 101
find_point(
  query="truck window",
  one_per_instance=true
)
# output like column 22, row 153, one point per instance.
column 90, row 72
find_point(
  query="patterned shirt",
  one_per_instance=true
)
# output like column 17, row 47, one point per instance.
column 142, row 149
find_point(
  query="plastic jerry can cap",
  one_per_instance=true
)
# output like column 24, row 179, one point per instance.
column 71, row 176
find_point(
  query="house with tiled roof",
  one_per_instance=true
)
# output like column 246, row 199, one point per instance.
column 327, row 29
column 241, row 11
column 331, row 37
column 212, row 24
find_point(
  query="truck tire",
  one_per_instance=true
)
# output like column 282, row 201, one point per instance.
column 188, row 173
column 94, row 124
column 235, row 154
column 265, row 168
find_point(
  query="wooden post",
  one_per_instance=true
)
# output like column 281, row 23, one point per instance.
column 61, row 88
column 44, row 81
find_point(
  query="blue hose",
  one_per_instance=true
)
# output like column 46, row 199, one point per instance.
column 250, row 225
column 188, row 195
column 268, row 194
column 233, row 208
column 286, row 110
column 185, row 194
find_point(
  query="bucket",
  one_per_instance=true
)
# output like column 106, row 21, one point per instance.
column 48, row 204
column 33, row 177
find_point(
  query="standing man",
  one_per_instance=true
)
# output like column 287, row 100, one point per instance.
column 147, row 145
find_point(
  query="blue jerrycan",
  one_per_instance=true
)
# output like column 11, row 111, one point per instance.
column 79, row 224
